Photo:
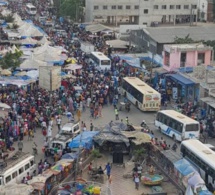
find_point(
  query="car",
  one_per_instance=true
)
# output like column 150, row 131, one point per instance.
column 70, row 129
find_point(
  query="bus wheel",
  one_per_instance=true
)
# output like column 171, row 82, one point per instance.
column 174, row 138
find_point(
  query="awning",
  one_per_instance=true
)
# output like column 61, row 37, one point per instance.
column 181, row 79
column 209, row 100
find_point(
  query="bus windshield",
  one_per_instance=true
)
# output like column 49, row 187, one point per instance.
column 105, row 62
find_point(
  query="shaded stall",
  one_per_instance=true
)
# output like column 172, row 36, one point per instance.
column 64, row 168
column 16, row 189
column 43, row 183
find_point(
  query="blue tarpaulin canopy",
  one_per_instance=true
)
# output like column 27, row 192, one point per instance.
column 205, row 192
column 84, row 139
column 70, row 156
column 181, row 79
column 184, row 167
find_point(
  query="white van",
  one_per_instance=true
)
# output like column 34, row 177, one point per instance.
column 16, row 167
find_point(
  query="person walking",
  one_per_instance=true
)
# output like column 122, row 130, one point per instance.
column 136, row 181
column 78, row 114
column 116, row 113
column 108, row 170
column 58, row 123
column 20, row 145
column 91, row 126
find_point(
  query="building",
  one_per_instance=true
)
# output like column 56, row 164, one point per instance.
column 210, row 11
column 186, row 55
column 153, row 39
column 141, row 11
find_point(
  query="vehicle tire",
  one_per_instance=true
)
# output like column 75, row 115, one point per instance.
column 174, row 138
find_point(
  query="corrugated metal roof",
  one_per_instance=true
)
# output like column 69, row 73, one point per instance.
column 168, row 34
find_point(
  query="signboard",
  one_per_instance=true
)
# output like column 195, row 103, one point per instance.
column 175, row 93
column 50, row 77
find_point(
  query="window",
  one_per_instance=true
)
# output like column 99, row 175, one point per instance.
column 194, row 6
column 155, row 6
column 186, row 6
column 113, row 7
column 21, row 171
column 105, row 7
column 8, row 178
column 145, row 11
column 127, row 7
column 136, row 7
column 171, row 7
column 96, row 7
column 192, row 127
column 119, row 6
column 178, row 6
column 163, row 7
column 14, row 175
column 76, row 128
column 27, row 166
column 105, row 62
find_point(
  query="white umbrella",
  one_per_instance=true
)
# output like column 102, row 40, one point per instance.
column 32, row 63
column 6, row 72
column 33, row 74
column 43, row 41
column 47, row 56
column 6, row 12
column 23, row 73
column 73, row 67
column 28, row 41
column 31, row 31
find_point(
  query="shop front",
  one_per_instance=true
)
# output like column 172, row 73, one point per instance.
column 208, row 104
column 181, row 88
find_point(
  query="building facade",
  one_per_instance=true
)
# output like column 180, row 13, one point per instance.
column 186, row 55
column 141, row 11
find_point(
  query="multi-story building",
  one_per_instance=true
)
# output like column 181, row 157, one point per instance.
column 141, row 11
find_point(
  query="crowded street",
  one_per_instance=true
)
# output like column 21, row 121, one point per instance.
column 89, row 108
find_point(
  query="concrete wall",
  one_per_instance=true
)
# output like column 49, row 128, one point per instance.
column 141, row 11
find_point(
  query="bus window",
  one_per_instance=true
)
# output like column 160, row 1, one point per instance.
column 192, row 127
column 21, row 170
column 27, row 166
column 14, row 174
column 8, row 179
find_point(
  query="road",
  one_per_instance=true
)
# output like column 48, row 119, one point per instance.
column 135, row 117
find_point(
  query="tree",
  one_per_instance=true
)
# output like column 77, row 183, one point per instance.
column 11, row 60
column 139, row 154
column 187, row 39
column 96, row 154
column 70, row 8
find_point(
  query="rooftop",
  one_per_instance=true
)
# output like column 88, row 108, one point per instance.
column 168, row 34
column 194, row 46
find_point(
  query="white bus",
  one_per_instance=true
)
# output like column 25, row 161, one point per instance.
column 177, row 125
column 140, row 94
column 31, row 9
column 100, row 61
column 16, row 167
column 202, row 157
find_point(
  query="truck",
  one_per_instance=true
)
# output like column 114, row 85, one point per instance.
column 64, row 137
column 87, row 47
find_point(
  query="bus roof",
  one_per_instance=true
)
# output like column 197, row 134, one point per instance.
column 14, row 160
column 100, row 55
column 30, row 5
column 178, row 116
column 140, row 85
column 202, row 151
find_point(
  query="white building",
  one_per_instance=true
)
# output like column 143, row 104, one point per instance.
column 141, row 11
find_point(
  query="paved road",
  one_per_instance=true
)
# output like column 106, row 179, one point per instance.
column 135, row 117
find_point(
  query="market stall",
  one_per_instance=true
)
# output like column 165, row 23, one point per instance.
column 16, row 189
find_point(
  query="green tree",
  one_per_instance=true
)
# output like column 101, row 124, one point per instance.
column 70, row 8
column 185, row 40
column 11, row 60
